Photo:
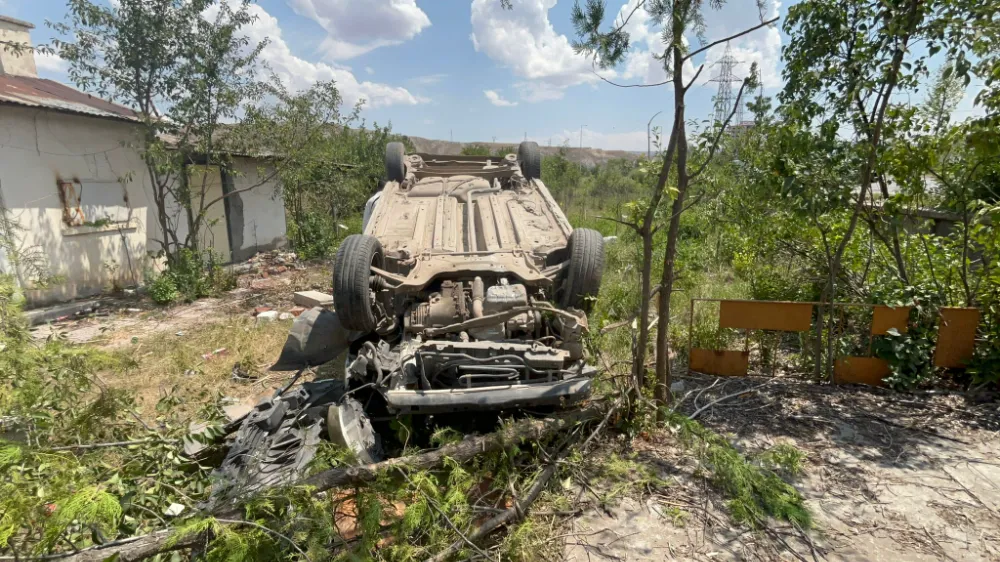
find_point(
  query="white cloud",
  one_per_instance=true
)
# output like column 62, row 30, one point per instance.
column 630, row 140
column 497, row 100
column 762, row 46
column 524, row 41
column 298, row 74
column 427, row 79
column 369, row 70
column 356, row 27
column 50, row 62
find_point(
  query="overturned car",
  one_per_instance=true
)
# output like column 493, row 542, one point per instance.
column 468, row 291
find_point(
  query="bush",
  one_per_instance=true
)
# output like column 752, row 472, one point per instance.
column 190, row 276
column 162, row 290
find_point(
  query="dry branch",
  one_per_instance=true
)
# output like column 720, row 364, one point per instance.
column 465, row 450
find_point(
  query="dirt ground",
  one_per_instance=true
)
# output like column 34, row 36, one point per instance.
column 888, row 476
column 123, row 318
column 211, row 349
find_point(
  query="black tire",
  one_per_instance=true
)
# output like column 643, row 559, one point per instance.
column 276, row 442
column 395, row 162
column 530, row 160
column 586, row 267
column 352, row 294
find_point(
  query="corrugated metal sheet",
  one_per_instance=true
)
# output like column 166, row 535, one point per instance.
column 47, row 94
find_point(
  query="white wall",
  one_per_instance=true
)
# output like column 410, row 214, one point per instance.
column 22, row 63
column 40, row 147
column 37, row 149
column 263, row 210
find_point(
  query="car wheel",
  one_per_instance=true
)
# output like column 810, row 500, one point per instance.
column 530, row 160
column 586, row 266
column 353, row 298
column 395, row 162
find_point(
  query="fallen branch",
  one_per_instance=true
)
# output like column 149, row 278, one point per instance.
column 520, row 507
column 727, row 397
column 464, row 450
column 507, row 516
column 88, row 446
column 528, row 429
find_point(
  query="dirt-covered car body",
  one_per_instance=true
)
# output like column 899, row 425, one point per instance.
column 477, row 287
column 467, row 291
column 466, row 214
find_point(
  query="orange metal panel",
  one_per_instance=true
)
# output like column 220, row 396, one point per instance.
column 885, row 317
column 956, row 337
column 723, row 363
column 764, row 315
column 860, row 370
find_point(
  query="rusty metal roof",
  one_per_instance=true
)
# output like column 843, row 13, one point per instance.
column 47, row 94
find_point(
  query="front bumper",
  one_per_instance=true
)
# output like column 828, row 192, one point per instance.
column 489, row 398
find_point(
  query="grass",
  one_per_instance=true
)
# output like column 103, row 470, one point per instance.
column 172, row 366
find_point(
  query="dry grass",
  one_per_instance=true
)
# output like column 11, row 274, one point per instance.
column 170, row 365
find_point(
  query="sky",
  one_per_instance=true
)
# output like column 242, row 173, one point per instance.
column 467, row 70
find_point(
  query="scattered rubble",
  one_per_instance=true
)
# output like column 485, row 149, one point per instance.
column 269, row 316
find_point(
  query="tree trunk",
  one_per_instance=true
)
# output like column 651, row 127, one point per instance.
column 663, row 374
column 639, row 353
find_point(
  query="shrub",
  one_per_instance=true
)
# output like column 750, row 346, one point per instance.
column 162, row 290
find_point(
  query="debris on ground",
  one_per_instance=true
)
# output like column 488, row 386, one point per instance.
column 310, row 299
column 214, row 353
column 269, row 316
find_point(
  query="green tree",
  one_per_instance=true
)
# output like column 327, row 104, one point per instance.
column 187, row 68
column 943, row 96
column 331, row 161
column 676, row 19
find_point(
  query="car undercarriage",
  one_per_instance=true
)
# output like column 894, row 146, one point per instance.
column 467, row 291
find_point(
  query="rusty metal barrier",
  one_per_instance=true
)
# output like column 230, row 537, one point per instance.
column 956, row 338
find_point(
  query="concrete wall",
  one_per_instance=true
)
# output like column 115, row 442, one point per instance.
column 256, row 216
column 38, row 148
column 20, row 64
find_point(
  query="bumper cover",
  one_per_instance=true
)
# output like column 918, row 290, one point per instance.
column 489, row 398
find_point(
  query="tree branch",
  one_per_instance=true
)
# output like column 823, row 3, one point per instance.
column 629, row 85
column 731, row 37
column 718, row 135
column 696, row 75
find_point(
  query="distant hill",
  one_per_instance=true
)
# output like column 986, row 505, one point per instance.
column 587, row 156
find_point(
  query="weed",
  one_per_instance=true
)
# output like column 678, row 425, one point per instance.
column 754, row 489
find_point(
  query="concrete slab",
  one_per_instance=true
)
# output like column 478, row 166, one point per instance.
column 309, row 299
column 50, row 313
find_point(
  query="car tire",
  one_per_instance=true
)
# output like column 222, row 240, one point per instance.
column 352, row 294
column 586, row 267
column 530, row 160
column 395, row 162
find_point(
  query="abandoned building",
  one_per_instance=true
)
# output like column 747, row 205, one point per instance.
column 75, row 194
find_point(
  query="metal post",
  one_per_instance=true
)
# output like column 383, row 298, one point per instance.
column 649, row 152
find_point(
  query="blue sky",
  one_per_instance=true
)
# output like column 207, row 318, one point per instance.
column 467, row 70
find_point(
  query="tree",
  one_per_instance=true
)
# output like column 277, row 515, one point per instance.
column 676, row 18
column 186, row 68
column 331, row 161
column 943, row 96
